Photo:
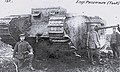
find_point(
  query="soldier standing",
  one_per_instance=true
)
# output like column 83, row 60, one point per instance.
column 92, row 42
column 115, row 43
column 23, row 51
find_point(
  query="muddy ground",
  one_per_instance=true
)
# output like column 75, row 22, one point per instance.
column 63, row 64
column 74, row 65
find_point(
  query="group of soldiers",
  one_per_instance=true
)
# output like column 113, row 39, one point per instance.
column 93, row 43
column 23, row 50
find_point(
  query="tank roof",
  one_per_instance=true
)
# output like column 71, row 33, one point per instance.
column 5, row 20
column 96, row 19
column 48, row 8
column 17, row 16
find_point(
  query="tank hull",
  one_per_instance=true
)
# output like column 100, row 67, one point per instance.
column 53, row 33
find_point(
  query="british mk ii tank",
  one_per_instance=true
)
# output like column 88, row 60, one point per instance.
column 50, row 31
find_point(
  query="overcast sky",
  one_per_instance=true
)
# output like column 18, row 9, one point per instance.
column 110, row 13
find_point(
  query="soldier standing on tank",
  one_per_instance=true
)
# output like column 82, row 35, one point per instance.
column 23, row 51
column 115, row 43
column 93, row 43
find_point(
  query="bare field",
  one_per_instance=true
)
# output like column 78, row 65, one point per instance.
column 74, row 65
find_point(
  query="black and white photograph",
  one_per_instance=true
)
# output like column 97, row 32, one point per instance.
column 59, row 36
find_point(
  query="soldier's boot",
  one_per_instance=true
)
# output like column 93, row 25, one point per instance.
column 92, row 60
column 31, row 67
column 77, row 54
column 20, row 64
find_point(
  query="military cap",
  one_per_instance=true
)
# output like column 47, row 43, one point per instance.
column 92, row 25
column 114, row 27
column 22, row 35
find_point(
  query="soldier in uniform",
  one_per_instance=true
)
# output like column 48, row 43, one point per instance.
column 93, row 43
column 115, row 43
column 1, row 43
column 23, row 51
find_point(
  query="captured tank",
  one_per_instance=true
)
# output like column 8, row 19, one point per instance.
column 52, row 32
